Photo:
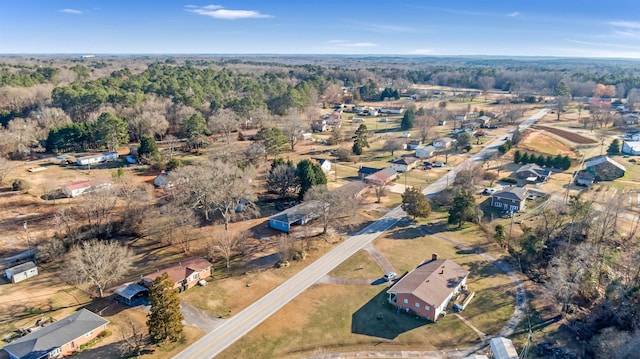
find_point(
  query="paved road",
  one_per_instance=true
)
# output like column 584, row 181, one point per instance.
column 234, row 328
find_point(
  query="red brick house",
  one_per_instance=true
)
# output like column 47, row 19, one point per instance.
column 384, row 176
column 60, row 338
column 427, row 290
column 184, row 274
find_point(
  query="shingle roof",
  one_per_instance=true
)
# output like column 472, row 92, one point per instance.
column 43, row 341
column 181, row 270
column 432, row 281
column 404, row 160
column 130, row 290
column 368, row 170
column 514, row 193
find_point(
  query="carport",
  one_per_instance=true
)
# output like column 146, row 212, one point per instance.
column 132, row 294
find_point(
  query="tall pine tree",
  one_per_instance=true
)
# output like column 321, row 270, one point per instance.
column 164, row 319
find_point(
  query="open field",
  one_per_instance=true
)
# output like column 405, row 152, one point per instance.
column 571, row 136
column 538, row 141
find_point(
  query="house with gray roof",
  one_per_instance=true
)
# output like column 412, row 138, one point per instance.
column 427, row 290
column 58, row 339
column 531, row 172
column 300, row 215
column 510, row 199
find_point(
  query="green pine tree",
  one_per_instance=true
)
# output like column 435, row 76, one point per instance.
column 164, row 319
column 415, row 203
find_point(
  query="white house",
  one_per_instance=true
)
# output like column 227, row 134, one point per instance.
column 324, row 164
column 425, row 151
column 21, row 272
column 78, row 188
column 404, row 164
column 631, row 147
column 100, row 158
column 443, row 143
column 630, row 118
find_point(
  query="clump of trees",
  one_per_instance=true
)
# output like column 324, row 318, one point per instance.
column 558, row 161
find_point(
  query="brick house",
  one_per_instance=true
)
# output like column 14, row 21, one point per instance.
column 184, row 274
column 58, row 339
column 384, row 176
column 427, row 290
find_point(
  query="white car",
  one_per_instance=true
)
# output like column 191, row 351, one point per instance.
column 390, row 276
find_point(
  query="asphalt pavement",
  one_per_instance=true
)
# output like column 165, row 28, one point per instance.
column 237, row 326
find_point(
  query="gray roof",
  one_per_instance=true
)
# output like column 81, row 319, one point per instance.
column 602, row 159
column 21, row 268
column 432, row 281
column 292, row 215
column 130, row 290
column 46, row 339
column 404, row 161
column 515, row 193
column 532, row 167
column 368, row 170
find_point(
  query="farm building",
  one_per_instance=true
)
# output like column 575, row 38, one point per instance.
column 185, row 274
column 296, row 215
column 427, row 290
column 78, row 188
column 425, row 152
column 21, row 272
column 502, row 348
column 61, row 338
column 100, row 158
column 631, row 147
column 604, row 168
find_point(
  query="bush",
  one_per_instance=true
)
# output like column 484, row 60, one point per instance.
column 343, row 155
column 173, row 164
column 20, row 185
column 509, row 180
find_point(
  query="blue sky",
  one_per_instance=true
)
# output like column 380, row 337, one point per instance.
column 572, row 28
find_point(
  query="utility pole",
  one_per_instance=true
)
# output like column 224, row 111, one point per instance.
column 26, row 229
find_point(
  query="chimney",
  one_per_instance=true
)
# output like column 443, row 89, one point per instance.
column 434, row 256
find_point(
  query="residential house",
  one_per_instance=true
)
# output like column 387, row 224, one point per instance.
column 392, row 110
column 427, row 290
column 494, row 114
column 585, row 179
column 363, row 172
column 471, row 125
column 58, row 339
column 21, row 272
column 247, row 135
column 404, row 164
column 425, row 152
column 531, row 172
column 319, row 126
column 631, row 147
column 100, row 158
column 325, row 164
column 299, row 215
column 502, row 348
column 604, row 168
column 443, row 143
column 78, row 188
column 630, row 118
column 460, row 117
column 185, row 274
column 132, row 294
column 511, row 199
column 413, row 144
column 384, row 176
column 484, row 121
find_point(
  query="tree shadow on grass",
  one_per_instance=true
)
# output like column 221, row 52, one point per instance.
column 377, row 318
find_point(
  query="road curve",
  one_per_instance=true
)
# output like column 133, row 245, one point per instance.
column 237, row 326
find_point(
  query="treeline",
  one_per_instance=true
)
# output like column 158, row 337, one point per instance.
column 24, row 76
column 558, row 161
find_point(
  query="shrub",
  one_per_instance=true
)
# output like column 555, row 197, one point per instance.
column 343, row 155
column 20, row 185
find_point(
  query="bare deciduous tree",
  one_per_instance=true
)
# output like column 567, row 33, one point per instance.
column 96, row 209
column 224, row 243
column 133, row 341
column 424, row 124
column 5, row 167
column 330, row 206
column 100, row 263
column 225, row 121
column 293, row 125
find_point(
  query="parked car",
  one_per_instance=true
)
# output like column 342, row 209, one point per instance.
column 390, row 276
column 489, row 191
column 492, row 127
column 438, row 164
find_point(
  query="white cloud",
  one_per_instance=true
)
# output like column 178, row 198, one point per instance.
column 514, row 14
column 219, row 12
column 72, row 11
column 346, row 43
column 625, row 24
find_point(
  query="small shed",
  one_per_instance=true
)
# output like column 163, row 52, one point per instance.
column 21, row 272
column 132, row 294
column 296, row 215
column 502, row 348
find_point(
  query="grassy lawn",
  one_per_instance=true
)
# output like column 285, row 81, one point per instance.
column 360, row 265
column 345, row 318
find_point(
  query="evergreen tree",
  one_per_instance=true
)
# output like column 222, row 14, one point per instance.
column 111, row 130
column 566, row 163
column 557, row 161
column 148, row 146
column 500, row 235
column 164, row 319
column 462, row 209
column 360, row 140
column 614, row 147
column 517, row 156
column 563, row 89
column 415, row 203
column 540, row 160
column 408, row 119
column 193, row 127
column 548, row 161
column 309, row 175
column 526, row 157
